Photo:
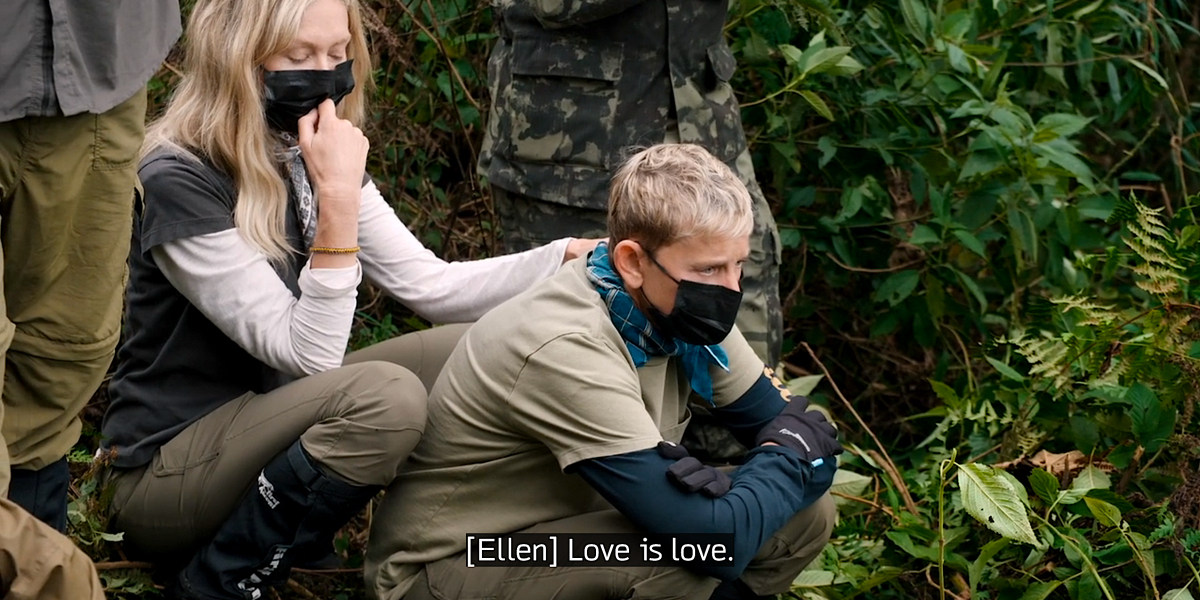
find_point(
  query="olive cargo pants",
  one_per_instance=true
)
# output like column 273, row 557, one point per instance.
column 359, row 422
column 66, row 209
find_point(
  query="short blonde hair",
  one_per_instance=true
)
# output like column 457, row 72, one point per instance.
column 672, row 192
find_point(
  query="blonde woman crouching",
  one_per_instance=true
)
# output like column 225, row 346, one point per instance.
column 243, row 438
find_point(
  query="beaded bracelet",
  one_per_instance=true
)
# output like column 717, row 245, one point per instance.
column 324, row 250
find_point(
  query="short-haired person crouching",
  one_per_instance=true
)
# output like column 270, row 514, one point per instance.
column 242, row 436
column 559, row 413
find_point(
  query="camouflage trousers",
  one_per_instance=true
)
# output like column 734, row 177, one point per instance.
column 529, row 222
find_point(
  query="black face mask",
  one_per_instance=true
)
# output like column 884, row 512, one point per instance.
column 289, row 95
column 703, row 314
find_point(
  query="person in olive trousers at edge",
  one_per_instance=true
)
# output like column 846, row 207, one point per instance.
column 72, row 116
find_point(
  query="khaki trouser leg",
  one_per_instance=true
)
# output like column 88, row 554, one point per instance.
column 777, row 563
column 792, row 548
column 38, row 562
column 65, row 216
column 422, row 352
column 358, row 422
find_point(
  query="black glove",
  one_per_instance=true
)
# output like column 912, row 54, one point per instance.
column 691, row 475
column 805, row 431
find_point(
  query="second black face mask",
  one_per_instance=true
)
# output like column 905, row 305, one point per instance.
column 703, row 313
column 289, row 95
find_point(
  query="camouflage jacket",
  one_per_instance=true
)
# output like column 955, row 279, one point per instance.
column 577, row 83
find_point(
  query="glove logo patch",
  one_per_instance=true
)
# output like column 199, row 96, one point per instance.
column 789, row 432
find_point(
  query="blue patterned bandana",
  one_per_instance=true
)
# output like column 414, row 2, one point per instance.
column 641, row 338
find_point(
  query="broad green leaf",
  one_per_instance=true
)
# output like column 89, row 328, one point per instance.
column 906, row 543
column 1088, row 588
column 1005, row 370
column 1054, row 54
column 1063, row 124
column 991, row 499
column 1091, row 478
column 803, row 386
column 1112, row 498
column 924, row 234
column 985, row 556
column 1071, row 496
column 1107, row 514
column 791, row 54
column 946, row 393
column 1016, row 485
column 818, row 60
column 827, row 148
column 981, row 162
column 1062, row 154
column 1044, row 485
column 1178, row 594
column 971, row 286
column 1152, row 422
column 935, row 296
column 758, row 50
column 1040, row 590
column 916, row 17
column 849, row 483
column 812, row 579
column 844, row 67
column 789, row 153
column 958, row 59
column 897, row 287
column 971, row 242
column 817, row 103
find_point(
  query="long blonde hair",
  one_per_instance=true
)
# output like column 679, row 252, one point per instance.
column 216, row 112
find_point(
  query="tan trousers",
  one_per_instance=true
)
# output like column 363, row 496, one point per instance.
column 777, row 563
column 37, row 562
column 359, row 422
column 66, row 209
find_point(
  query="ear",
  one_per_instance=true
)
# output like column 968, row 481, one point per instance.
column 627, row 259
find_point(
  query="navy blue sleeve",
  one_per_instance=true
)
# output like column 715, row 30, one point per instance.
column 766, row 492
column 747, row 415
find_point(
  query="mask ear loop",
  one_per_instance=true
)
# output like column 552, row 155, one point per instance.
column 658, row 264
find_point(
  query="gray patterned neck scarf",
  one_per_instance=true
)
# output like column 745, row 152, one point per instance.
column 300, row 188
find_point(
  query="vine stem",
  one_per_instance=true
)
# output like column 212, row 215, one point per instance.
column 889, row 464
column 1087, row 561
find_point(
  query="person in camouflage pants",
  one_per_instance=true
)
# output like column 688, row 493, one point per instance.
column 577, row 85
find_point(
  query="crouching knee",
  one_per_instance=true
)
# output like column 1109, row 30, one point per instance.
column 792, row 548
column 372, row 426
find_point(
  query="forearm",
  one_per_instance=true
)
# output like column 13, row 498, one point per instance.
column 237, row 289
column 443, row 292
column 767, row 491
column 337, row 227
column 747, row 415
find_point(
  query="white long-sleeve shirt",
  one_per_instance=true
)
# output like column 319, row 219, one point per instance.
column 236, row 287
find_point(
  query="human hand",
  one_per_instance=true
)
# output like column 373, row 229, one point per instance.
column 691, row 475
column 335, row 155
column 580, row 247
column 807, row 432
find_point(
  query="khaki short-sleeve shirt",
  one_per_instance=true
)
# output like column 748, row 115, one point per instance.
column 538, row 384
